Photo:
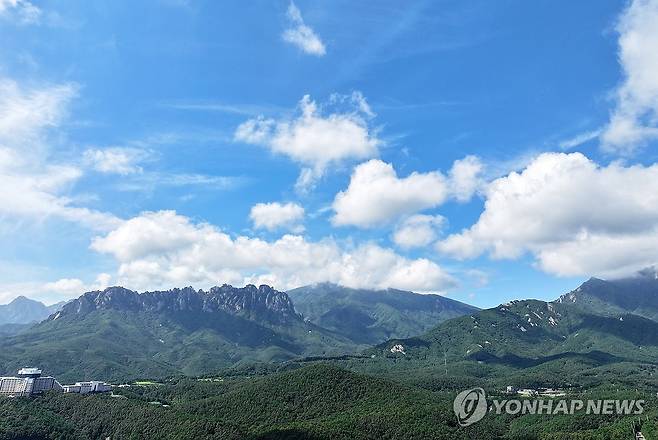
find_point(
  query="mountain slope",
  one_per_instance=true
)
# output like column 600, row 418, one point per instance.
column 637, row 295
column 326, row 402
column 593, row 321
column 121, row 334
column 373, row 316
column 12, row 329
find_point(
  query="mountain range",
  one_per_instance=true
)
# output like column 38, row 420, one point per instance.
column 119, row 333
column 600, row 321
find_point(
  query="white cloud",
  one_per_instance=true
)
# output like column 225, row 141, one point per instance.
column 116, row 160
column 418, row 230
column 26, row 113
column 301, row 35
column 74, row 287
column 376, row 195
column 164, row 249
column 314, row 139
column 635, row 119
column 36, row 195
column 465, row 178
column 26, row 12
column 32, row 187
column 66, row 286
column 150, row 181
column 272, row 216
column 52, row 292
column 579, row 139
column 574, row 216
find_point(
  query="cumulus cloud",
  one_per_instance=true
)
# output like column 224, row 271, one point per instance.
column 635, row 118
column 315, row 139
column 164, row 249
column 272, row 216
column 418, row 230
column 74, row 287
column 301, row 35
column 376, row 195
column 32, row 187
column 465, row 178
column 25, row 11
column 116, row 160
column 573, row 215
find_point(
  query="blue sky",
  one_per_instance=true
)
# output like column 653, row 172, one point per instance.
column 485, row 150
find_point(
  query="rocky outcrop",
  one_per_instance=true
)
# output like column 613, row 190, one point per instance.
column 256, row 303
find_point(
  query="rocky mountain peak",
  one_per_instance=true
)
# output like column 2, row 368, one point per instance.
column 22, row 310
column 257, row 303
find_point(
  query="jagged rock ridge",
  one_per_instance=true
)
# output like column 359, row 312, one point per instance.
column 261, row 303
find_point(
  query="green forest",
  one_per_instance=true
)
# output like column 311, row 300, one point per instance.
column 319, row 400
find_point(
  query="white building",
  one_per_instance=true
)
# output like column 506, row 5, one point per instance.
column 93, row 386
column 528, row 392
column 28, row 382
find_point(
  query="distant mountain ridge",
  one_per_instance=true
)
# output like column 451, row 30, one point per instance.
column 23, row 310
column 372, row 316
column 637, row 294
column 613, row 320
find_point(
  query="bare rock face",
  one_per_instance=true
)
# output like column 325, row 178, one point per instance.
column 256, row 303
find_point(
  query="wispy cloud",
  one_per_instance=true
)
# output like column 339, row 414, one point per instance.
column 26, row 12
column 33, row 185
column 301, row 35
column 579, row 139
column 116, row 160
column 148, row 182
column 221, row 107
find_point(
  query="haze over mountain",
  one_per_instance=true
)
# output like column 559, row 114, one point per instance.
column 372, row 316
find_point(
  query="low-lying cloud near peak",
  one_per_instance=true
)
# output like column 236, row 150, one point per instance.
column 160, row 249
